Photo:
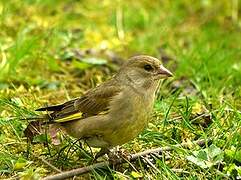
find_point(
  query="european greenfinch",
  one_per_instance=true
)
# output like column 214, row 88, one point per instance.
column 117, row 110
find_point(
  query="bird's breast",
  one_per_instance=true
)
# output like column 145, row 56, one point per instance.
column 129, row 114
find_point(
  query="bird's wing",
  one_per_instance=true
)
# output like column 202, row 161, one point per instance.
column 94, row 102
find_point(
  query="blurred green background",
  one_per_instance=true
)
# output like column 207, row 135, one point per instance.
column 52, row 51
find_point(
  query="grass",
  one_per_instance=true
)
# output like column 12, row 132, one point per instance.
column 39, row 65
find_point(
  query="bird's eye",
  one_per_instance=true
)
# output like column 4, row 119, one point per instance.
column 148, row 67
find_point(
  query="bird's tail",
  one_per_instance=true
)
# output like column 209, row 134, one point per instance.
column 35, row 126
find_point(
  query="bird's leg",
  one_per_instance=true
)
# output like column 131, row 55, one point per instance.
column 119, row 153
column 115, row 156
column 102, row 152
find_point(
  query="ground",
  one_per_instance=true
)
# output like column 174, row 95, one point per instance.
column 52, row 51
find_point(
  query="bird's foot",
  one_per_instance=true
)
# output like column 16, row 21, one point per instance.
column 102, row 152
column 118, row 155
column 115, row 156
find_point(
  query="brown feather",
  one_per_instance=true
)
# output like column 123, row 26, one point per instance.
column 93, row 102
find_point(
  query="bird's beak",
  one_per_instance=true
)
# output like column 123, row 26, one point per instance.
column 164, row 72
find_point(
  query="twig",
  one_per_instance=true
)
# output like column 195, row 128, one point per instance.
column 75, row 172
column 180, row 171
column 79, row 171
column 151, row 164
column 49, row 164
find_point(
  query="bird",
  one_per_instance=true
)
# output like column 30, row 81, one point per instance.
column 116, row 111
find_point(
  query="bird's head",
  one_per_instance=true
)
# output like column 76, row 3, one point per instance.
column 147, row 67
column 144, row 71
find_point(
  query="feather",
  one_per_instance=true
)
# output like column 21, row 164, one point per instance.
column 92, row 103
column 72, row 117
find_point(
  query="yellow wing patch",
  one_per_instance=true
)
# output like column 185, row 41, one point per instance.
column 69, row 118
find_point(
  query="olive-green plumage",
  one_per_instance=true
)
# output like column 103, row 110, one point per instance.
column 116, row 111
